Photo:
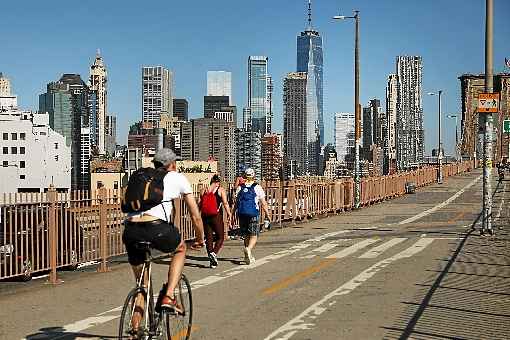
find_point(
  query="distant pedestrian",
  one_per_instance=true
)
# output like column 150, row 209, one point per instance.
column 212, row 199
column 250, row 198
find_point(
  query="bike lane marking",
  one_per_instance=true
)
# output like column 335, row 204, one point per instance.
column 114, row 313
column 352, row 249
column 440, row 205
column 305, row 320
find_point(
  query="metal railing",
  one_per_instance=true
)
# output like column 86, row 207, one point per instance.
column 46, row 232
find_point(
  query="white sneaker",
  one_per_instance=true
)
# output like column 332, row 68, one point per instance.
column 252, row 258
column 247, row 256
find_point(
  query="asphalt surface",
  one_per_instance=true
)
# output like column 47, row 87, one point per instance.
column 414, row 267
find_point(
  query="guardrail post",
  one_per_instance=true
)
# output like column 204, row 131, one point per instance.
column 103, row 240
column 52, row 234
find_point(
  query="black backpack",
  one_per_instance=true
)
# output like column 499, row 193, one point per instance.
column 144, row 190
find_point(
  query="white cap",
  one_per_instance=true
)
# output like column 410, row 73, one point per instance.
column 250, row 172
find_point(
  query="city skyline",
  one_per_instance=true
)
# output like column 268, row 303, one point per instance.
column 441, row 65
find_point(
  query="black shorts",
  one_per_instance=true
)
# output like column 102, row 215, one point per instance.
column 163, row 236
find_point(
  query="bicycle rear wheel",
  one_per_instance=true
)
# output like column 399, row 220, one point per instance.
column 126, row 329
column 180, row 324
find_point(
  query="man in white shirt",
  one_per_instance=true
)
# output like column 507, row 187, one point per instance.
column 250, row 198
column 156, row 226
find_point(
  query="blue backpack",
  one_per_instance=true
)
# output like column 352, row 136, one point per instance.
column 246, row 201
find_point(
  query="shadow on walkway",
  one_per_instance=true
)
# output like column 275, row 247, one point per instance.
column 54, row 333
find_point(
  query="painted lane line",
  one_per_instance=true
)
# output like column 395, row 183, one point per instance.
column 104, row 317
column 323, row 249
column 352, row 249
column 306, row 319
column 440, row 205
column 374, row 252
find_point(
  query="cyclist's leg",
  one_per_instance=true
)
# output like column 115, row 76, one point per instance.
column 175, row 269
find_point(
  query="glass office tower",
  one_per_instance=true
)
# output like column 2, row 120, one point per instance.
column 309, row 60
column 257, row 93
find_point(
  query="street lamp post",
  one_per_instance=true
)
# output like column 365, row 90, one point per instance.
column 439, row 154
column 357, row 108
column 457, row 153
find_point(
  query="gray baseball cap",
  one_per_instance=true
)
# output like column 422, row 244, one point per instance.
column 165, row 156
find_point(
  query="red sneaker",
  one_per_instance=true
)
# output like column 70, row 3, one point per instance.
column 172, row 305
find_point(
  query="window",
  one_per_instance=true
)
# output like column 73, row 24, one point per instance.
column 22, row 164
column 14, row 136
column 22, row 136
column 99, row 184
column 115, row 185
column 22, row 150
column 21, row 176
column 6, row 136
column 56, row 146
column 5, row 164
column 5, row 150
column 56, row 158
column 42, row 133
column 14, row 150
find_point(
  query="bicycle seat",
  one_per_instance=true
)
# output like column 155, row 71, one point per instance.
column 143, row 245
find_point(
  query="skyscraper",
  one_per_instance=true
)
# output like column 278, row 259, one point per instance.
column 258, row 93
column 214, row 104
column 248, row 151
column 67, row 103
column 301, row 138
column 344, row 135
column 97, row 85
column 180, row 109
column 157, row 93
column 390, row 153
column 219, row 83
column 409, row 134
column 373, row 123
column 111, row 134
column 310, row 60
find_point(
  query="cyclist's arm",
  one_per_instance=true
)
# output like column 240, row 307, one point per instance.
column 195, row 217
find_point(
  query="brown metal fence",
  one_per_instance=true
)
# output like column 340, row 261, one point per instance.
column 45, row 232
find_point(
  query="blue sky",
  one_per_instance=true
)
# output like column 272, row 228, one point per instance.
column 42, row 40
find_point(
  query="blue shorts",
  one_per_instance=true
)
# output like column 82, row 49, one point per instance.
column 249, row 226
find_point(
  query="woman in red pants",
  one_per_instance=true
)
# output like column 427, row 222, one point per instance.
column 211, row 201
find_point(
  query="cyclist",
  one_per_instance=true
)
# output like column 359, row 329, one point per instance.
column 156, row 226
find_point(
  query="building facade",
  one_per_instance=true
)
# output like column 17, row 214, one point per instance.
column 97, row 85
column 248, row 151
column 301, row 134
column 157, row 93
column 180, row 109
column 272, row 157
column 373, row 126
column 390, row 141
column 7, row 99
column 258, row 93
column 409, row 132
column 344, row 135
column 208, row 138
column 219, row 83
column 33, row 156
column 111, row 134
column 214, row 104
column 310, row 60
column 471, row 86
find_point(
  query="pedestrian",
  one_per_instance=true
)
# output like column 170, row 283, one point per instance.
column 212, row 199
column 250, row 199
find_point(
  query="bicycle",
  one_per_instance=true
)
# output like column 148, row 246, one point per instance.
column 160, row 323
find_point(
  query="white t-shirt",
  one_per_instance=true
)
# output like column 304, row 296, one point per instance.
column 258, row 191
column 174, row 185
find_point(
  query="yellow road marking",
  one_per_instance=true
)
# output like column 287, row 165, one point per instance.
column 298, row 276
column 182, row 333
column 456, row 217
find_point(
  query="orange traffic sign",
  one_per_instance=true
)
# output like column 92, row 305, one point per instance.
column 488, row 102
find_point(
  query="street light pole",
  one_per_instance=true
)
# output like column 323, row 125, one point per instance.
column 439, row 154
column 488, row 129
column 357, row 109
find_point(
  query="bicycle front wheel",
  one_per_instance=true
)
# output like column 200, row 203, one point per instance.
column 180, row 323
column 132, row 318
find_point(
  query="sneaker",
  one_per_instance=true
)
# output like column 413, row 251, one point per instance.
column 172, row 305
column 213, row 260
column 252, row 258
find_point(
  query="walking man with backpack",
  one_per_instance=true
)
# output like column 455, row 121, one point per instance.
column 250, row 199
column 148, row 200
column 211, row 201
